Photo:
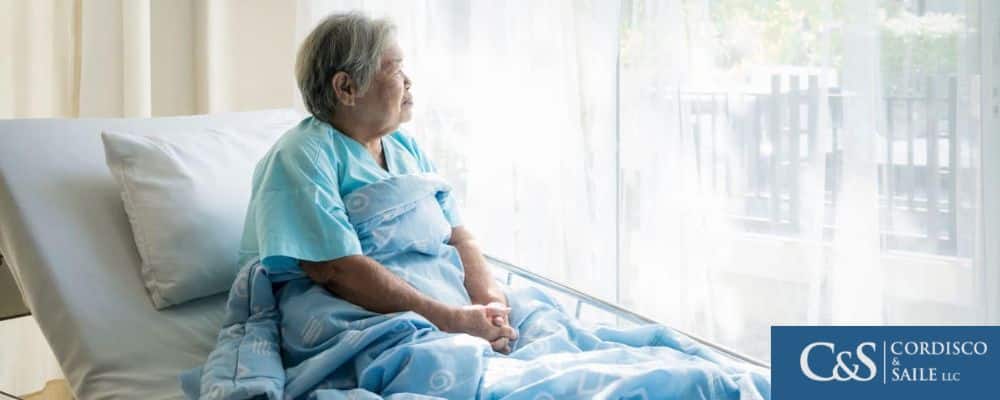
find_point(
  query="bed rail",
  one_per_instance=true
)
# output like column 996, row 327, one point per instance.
column 510, row 271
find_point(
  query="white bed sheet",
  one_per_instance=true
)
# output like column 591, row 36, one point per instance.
column 65, row 236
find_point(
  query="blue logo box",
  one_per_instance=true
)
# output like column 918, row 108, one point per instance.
column 885, row 362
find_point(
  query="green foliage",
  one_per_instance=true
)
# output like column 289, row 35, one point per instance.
column 917, row 46
column 733, row 35
column 791, row 32
column 751, row 32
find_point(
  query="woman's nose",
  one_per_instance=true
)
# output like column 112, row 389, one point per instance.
column 407, row 82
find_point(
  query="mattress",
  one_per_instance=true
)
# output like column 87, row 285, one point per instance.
column 66, row 238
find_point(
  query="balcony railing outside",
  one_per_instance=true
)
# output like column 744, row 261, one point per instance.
column 753, row 148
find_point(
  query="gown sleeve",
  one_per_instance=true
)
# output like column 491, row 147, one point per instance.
column 297, row 210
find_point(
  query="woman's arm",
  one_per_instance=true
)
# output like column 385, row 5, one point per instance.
column 482, row 288
column 366, row 283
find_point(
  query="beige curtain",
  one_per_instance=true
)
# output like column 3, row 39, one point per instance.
column 140, row 58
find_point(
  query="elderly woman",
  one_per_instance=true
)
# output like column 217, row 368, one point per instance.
column 359, row 280
column 350, row 73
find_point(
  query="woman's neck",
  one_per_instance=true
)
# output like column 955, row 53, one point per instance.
column 369, row 138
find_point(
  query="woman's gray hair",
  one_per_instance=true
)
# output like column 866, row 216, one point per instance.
column 349, row 42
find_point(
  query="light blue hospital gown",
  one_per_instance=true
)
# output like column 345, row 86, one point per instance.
column 286, row 337
column 296, row 211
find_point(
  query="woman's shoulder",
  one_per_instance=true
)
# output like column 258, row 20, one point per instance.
column 301, row 149
column 305, row 141
column 308, row 133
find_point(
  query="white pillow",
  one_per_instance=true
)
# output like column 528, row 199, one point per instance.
column 186, row 196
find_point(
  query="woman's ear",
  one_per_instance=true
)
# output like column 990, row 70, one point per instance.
column 343, row 88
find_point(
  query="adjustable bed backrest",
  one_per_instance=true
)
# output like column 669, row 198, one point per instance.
column 66, row 238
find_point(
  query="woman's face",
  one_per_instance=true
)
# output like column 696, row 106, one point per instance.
column 388, row 102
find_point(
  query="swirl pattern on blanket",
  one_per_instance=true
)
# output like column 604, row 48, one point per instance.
column 285, row 337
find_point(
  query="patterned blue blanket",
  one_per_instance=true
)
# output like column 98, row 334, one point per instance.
column 287, row 338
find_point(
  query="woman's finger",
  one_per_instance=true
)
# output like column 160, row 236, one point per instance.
column 498, row 307
column 496, row 304
column 508, row 332
column 501, row 345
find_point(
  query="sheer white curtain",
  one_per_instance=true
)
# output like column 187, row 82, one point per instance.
column 801, row 162
column 721, row 165
column 140, row 58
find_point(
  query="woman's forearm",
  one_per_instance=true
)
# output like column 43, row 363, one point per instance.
column 366, row 283
column 479, row 282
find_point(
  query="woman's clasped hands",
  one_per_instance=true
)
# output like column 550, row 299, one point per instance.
column 490, row 322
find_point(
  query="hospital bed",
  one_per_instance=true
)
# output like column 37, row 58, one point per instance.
column 66, row 238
